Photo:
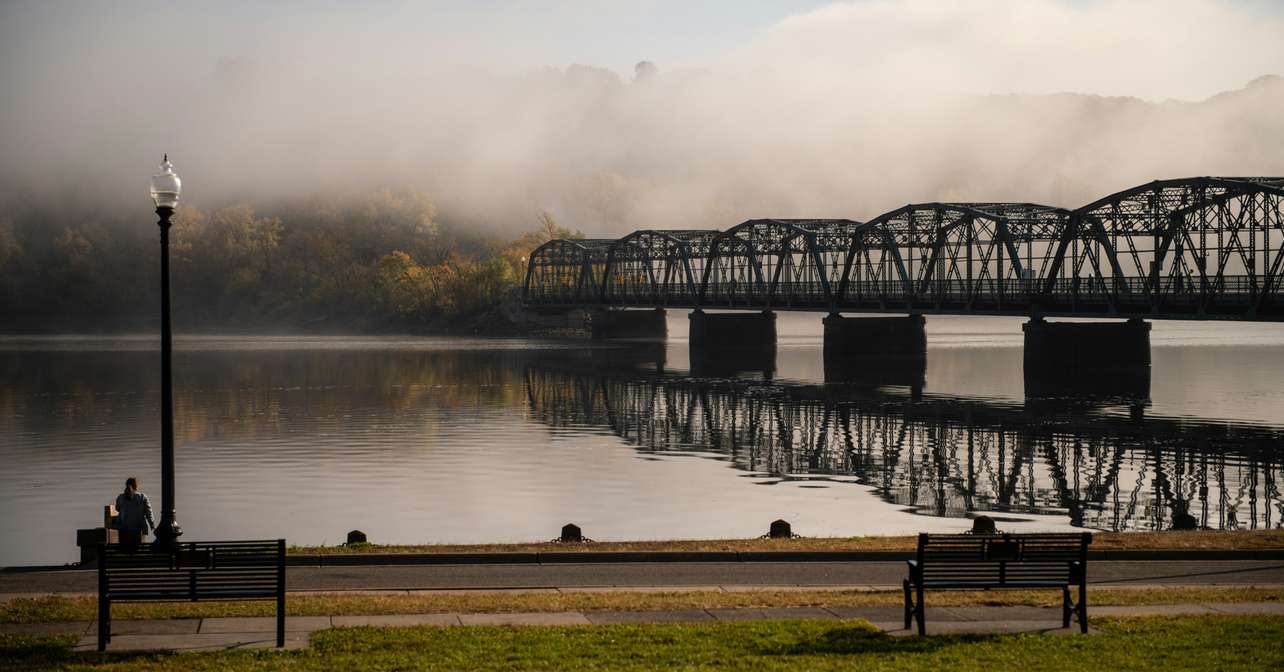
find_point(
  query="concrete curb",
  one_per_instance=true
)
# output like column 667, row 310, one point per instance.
column 1259, row 554
column 412, row 559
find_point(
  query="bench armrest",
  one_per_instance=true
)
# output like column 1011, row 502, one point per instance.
column 914, row 570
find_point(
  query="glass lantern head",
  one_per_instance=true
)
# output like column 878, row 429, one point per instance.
column 166, row 186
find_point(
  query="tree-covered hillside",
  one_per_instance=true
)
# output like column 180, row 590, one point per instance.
column 378, row 261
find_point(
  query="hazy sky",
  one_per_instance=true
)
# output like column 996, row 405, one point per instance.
column 1139, row 36
column 764, row 107
column 511, row 34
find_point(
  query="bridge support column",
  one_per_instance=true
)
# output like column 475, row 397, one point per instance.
column 718, row 331
column 1087, row 358
column 613, row 324
column 876, row 350
column 875, row 336
column 729, row 344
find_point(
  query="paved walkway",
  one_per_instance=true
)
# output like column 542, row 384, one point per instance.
column 226, row 633
column 656, row 574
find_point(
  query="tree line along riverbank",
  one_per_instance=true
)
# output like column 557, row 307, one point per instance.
column 377, row 262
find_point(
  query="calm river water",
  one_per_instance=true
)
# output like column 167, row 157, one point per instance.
column 446, row 440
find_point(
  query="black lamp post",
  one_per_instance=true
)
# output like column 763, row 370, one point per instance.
column 165, row 189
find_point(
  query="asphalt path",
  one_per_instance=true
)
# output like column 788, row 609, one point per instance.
column 675, row 574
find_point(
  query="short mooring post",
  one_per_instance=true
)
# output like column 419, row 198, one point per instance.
column 571, row 533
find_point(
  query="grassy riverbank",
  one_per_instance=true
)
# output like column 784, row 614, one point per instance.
column 84, row 608
column 1187, row 643
column 1192, row 540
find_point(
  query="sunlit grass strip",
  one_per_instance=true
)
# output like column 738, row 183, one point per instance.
column 1191, row 540
column 55, row 608
column 1186, row 643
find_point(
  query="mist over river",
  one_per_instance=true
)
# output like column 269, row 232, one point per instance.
column 455, row 440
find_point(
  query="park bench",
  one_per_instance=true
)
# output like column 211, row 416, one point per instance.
column 191, row 572
column 986, row 561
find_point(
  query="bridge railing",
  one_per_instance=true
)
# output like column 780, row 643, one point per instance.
column 1225, row 296
column 1234, row 295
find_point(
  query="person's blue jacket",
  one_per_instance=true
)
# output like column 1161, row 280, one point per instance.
column 134, row 514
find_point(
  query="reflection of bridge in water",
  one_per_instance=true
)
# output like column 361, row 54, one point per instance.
column 941, row 456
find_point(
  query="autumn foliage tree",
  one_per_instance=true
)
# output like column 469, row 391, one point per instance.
column 460, row 284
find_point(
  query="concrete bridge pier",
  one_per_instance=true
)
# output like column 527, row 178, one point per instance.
column 720, row 331
column 1108, row 359
column 876, row 351
column 875, row 337
column 626, row 324
column 728, row 344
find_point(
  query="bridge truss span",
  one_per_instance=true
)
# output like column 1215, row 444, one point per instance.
column 1203, row 247
column 1194, row 247
column 771, row 263
column 951, row 257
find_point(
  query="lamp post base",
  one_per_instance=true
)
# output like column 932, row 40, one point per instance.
column 167, row 535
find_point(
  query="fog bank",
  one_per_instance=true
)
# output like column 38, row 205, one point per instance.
column 845, row 110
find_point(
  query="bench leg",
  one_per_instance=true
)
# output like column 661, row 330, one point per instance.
column 1065, row 606
column 1082, row 608
column 909, row 603
column 918, row 610
column 104, row 623
column 280, row 619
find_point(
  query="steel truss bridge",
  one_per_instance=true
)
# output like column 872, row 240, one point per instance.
column 1204, row 247
column 942, row 457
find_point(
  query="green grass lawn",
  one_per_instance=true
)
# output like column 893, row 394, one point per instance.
column 1168, row 644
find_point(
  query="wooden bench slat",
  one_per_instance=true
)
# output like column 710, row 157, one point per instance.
column 140, row 581
column 186, row 583
column 989, row 585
